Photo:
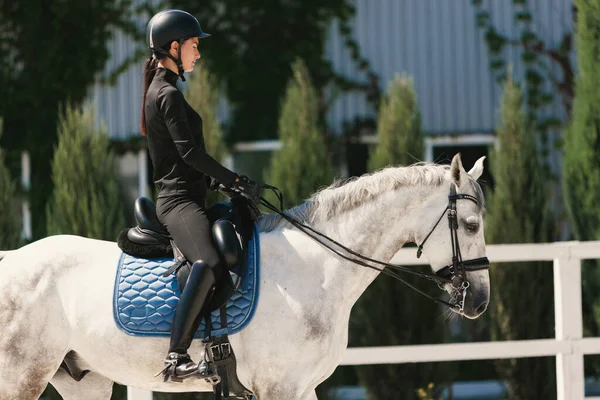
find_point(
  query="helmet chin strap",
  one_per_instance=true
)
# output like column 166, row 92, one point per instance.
column 177, row 60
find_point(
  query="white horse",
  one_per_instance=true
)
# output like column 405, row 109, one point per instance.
column 57, row 292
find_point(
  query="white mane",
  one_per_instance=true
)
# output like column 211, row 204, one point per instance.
column 345, row 195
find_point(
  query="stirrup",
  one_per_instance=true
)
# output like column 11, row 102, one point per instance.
column 209, row 375
column 173, row 361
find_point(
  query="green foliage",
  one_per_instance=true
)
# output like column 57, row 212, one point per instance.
column 400, row 143
column 254, row 41
column 398, row 127
column 582, row 140
column 430, row 392
column 203, row 95
column 10, row 232
column 519, row 213
column 581, row 165
column 52, row 52
column 86, row 199
column 541, row 60
column 302, row 164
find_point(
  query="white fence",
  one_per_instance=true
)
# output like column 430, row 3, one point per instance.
column 569, row 346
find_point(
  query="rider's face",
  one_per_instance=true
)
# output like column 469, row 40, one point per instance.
column 189, row 54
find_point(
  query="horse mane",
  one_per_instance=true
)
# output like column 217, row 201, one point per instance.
column 346, row 194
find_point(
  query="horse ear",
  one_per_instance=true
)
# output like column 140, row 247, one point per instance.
column 477, row 169
column 456, row 169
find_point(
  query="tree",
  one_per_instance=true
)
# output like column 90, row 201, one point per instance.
column 10, row 232
column 53, row 50
column 581, row 165
column 254, row 41
column 519, row 212
column 400, row 142
column 203, row 95
column 86, row 199
column 302, row 164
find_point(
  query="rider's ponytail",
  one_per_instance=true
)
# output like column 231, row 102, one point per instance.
column 149, row 71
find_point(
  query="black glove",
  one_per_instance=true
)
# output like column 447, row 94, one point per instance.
column 247, row 188
column 212, row 183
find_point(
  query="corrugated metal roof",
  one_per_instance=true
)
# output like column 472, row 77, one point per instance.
column 436, row 42
column 119, row 105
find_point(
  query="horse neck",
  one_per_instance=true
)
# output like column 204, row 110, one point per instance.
column 376, row 229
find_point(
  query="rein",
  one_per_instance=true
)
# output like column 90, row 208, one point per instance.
column 454, row 274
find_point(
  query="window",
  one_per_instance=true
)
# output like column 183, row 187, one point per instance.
column 471, row 147
column 440, row 149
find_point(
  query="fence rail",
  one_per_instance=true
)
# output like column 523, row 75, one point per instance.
column 569, row 346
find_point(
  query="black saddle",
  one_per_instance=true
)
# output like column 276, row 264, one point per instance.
column 231, row 231
column 149, row 230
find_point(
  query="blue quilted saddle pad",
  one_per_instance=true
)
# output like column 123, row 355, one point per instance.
column 145, row 301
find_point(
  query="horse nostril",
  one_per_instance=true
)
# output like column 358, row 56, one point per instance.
column 482, row 307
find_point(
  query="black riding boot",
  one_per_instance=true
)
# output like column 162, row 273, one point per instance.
column 197, row 291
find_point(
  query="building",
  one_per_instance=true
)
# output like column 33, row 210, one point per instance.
column 437, row 43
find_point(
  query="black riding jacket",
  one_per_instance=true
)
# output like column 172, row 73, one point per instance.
column 175, row 141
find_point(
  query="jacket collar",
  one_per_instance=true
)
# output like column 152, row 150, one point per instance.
column 168, row 75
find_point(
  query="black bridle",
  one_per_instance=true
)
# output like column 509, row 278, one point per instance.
column 456, row 273
column 453, row 274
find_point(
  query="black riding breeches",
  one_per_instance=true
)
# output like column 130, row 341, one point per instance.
column 189, row 226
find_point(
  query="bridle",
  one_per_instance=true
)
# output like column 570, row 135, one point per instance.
column 453, row 274
column 456, row 273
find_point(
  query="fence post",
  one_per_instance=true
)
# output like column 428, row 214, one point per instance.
column 569, row 326
column 142, row 173
column 26, row 185
column 138, row 394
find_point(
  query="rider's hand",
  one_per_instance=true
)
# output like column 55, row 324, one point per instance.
column 248, row 188
column 212, row 183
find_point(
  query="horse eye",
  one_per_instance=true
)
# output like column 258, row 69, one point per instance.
column 472, row 227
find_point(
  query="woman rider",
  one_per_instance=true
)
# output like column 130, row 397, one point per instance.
column 181, row 170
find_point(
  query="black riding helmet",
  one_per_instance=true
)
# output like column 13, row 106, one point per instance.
column 169, row 25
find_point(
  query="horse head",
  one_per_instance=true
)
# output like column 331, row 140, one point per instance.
column 455, row 248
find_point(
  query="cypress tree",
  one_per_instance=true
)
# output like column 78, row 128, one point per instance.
column 400, row 140
column 10, row 233
column 581, row 163
column 28, row 30
column 302, row 164
column 202, row 94
column 387, row 302
column 519, row 212
column 86, row 199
